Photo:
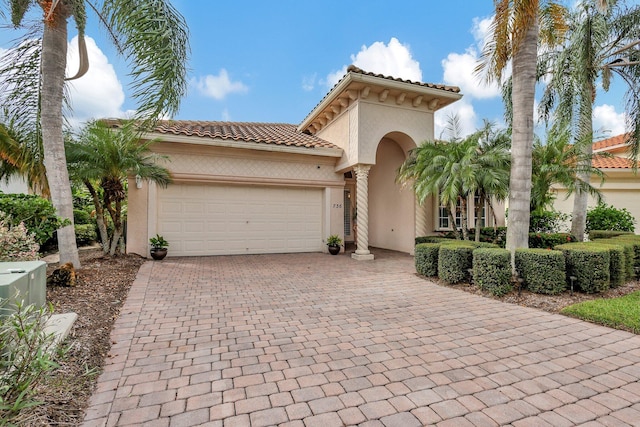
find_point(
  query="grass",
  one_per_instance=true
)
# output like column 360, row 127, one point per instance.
column 621, row 313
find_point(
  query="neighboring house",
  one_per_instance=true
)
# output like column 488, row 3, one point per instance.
column 251, row 188
column 621, row 187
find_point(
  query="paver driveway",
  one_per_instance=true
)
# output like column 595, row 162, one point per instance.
column 317, row 340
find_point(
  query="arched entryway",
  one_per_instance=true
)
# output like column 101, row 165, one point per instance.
column 391, row 207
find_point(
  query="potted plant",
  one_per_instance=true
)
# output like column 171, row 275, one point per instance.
column 333, row 243
column 158, row 247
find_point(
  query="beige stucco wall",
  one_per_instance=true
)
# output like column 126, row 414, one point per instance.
column 391, row 209
column 621, row 189
column 195, row 163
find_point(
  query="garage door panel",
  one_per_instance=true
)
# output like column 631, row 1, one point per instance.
column 216, row 220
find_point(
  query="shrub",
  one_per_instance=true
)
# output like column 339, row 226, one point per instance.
column 617, row 264
column 82, row 217
column 606, row 234
column 542, row 270
column 85, row 234
column 37, row 214
column 549, row 240
column 432, row 239
column 492, row 270
column 547, row 221
column 633, row 240
column 455, row 259
column 426, row 259
column 629, row 255
column 589, row 264
column 27, row 358
column 604, row 217
column 16, row 243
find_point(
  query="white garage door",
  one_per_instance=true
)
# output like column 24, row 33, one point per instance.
column 227, row 219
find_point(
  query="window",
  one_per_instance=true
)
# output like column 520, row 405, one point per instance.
column 483, row 213
column 443, row 216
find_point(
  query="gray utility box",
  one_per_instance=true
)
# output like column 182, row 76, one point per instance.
column 23, row 280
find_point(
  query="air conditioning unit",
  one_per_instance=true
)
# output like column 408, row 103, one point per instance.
column 24, row 281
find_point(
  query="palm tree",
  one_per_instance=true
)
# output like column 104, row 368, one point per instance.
column 514, row 37
column 21, row 155
column 557, row 161
column 599, row 45
column 151, row 34
column 457, row 170
column 102, row 158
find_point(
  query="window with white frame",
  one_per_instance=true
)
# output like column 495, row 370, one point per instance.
column 443, row 216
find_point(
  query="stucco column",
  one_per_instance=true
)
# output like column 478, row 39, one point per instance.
column 362, row 203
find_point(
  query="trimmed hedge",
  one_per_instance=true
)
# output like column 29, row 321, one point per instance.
column 431, row 239
column 589, row 264
column 634, row 240
column 629, row 255
column 617, row 264
column 606, row 234
column 542, row 270
column 549, row 240
column 454, row 261
column 426, row 259
column 492, row 270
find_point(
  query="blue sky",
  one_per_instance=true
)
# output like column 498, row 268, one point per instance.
column 273, row 61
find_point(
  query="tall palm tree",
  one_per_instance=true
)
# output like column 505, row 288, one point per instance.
column 151, row 34
column 600, row 44
column 102, row 158
column 514, row 37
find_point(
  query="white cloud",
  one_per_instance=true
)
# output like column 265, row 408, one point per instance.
column 97, row 94
column 466, row 116
column 459, row 68
column 607, row 121
column 309, row 82
column 393, row 59
column 218, row 87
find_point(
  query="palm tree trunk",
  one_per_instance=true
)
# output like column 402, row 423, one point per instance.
column 102, row 227
column 478, row 209
column 581, row 198
column 523, row 93
column 54, row 58
column 452, row 221
column 117, row 225
column 463, row 218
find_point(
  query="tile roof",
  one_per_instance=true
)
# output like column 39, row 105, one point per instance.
column 611, row 163
column 611, row 142
column 265, row 133
column 354, row 69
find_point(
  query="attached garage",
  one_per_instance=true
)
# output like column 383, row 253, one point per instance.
column 236, row 219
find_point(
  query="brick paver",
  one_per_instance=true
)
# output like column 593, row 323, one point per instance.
column 320, row 340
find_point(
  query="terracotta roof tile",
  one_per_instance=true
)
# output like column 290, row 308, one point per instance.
column 612, row 163
column 265, row 133
column 611, row 142
column 354, row 69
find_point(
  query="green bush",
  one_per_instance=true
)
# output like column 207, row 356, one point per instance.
column 27, row 359
column 606, row 234
column 426, row 259
column 547, row 221
column 549, row 240
column 629, row 255
column 542, row 270
column 37, row 214
column 496, row 235
column 82, row 217
column 589, row 264
column 604, row 217
column 16, row 243
column 431, row 239
column 455, row 259
column 492, row 270
column 633, row 240
column 617, row 264
column 85, row 234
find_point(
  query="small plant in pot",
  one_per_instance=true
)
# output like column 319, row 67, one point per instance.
column 333, row 243
column 158, row 247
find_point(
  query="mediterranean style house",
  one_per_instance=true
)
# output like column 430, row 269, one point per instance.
column 252, row 188
column 621, row 186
